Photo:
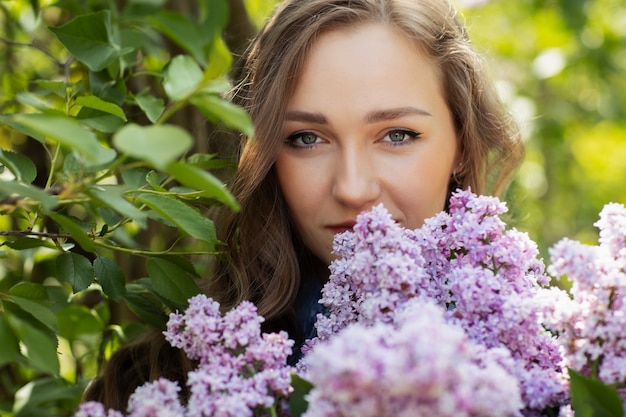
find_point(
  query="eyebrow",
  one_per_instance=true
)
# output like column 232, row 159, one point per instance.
column 392, row 114
column 371, row 117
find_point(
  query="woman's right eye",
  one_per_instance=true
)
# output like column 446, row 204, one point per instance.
column 303, row 139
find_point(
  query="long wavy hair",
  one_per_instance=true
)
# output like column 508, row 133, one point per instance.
column 265, row 262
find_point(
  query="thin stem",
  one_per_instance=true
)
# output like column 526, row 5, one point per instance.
column 141, row 252
column 169, row 111
column 25, row 233
column 53, row 163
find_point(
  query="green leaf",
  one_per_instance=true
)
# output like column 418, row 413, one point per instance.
column 145, row 307
column 154, row 180
column 59, row 88
column 183, row 31
column 183, row 262
column 214, row 16
column 182, row 78
column 111, row 278
column 112, row 196
column 215, row 86
column 12, row 123
column 209, row 161
column 29, row 290
column 75, row 231
column 135, row 177
column 199, row 179
column 153, row 107
column 68, row 132
column 28, row 243
column 220, row 59
column 97, row 103
column 220, row 110
column 10, row 188
column 39, row 347
column 34, row 398
column 75, row 269
column 592, row 398
column 99, row 120
column 20, row 166
column 40, row 102
column 40, row 312
column 10, row 346
column 107, row 87
column 76, row 320
column 88, row 38
column 158, row 145
column 185, row 217
column 171, row 282
column 297, row 400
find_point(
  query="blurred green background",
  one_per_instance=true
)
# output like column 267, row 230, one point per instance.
column 561, row 66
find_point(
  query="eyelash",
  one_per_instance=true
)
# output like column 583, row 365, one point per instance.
column 291, row 140
column 412, row 135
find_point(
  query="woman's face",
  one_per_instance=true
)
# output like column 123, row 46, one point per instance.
column 367, row 124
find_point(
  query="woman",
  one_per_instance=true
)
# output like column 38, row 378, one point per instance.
column 355, row 103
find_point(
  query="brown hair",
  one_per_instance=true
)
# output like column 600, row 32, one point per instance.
column 266, row 256
column 141, row 361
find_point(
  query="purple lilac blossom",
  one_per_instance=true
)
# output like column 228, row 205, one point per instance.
column 380, row 269
column 419, row 365
column 241, row 371
column 592, row 324
column 95, row 409
column 487, row 279
column 156, row 399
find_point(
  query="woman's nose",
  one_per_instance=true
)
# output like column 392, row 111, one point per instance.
column 356, row 183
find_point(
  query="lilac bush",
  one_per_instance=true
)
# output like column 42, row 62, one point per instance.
column 455, row 318
column 488, row 280
column 420, row 365
column 592, row 324
column 241, row 371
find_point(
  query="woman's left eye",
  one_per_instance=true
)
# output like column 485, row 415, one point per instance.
column 399, row 136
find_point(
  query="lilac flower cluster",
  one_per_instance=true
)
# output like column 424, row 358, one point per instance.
column 379, row 269
column 241, row 371
column 493, row 284
column 592, row 323
column 389, row 370
column 487, row 280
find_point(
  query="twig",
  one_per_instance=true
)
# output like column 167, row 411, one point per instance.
column 37, row 47
column 33, row 233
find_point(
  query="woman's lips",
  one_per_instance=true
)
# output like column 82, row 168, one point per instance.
column 341, row 227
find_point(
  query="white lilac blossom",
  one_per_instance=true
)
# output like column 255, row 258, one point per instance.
column 489, row 281
column 419, row 365
column 241, row 371
column 592, row 324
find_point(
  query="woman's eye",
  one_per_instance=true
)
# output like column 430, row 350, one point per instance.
column 303, row 139
column 400, row 136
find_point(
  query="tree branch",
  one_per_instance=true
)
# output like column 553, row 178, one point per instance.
column 26, row 233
